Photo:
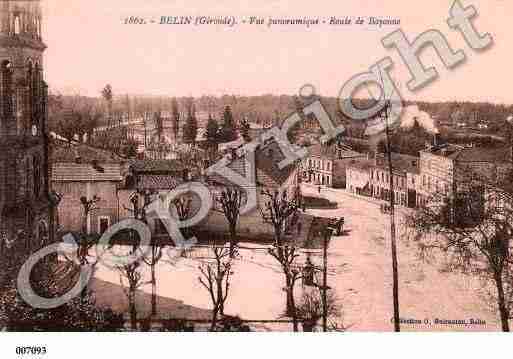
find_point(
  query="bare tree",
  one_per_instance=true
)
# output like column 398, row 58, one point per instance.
column 215, row 278
column 134, row 280
column 155, row 253
column 472, row 225
column 230, row 201
column 85, row 241
column 281, row 213
column 183, row 206
column 152, row 260
column 311, row 309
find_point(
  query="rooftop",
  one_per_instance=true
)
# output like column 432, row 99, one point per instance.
column 471, row 154
column 69, row 153
column 80, row 162
column 400, row 162
column 157, row 166
column 362, row 164
column 333, row 151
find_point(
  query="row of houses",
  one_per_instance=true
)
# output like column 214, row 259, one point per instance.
column 437, row 170
column 120, row 186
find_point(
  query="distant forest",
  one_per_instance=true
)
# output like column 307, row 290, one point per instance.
column 257, row 109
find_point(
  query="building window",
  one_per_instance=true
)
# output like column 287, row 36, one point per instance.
column 36, row 168
column 17, row 25
column 103, row 224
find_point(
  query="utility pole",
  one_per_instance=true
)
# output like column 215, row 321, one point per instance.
column 327, row 235
column 395, row 275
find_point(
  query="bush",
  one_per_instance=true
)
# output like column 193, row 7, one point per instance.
column 318, row 203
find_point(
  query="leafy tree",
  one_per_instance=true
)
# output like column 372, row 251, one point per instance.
column 190, row 130
column 175, row 116
column 212, row 131
column 228, row 131
column 407, row 141
column 108, row 96
column 159, row 125
column 69, row 125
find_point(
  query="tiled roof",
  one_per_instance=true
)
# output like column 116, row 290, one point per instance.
column 400, row 162
column 71, row 172
column 64, row 152
column 157, row 182
column 267, row 159
column 472, row 154
column 482, row 154
column 157, row 166
column 446, row 150
column 333, row 151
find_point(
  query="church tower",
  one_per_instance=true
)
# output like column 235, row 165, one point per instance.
column 25, row 205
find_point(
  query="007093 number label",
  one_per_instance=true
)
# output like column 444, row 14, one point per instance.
column 35, row 350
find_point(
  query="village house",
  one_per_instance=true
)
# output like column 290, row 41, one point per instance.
column 326, row 164
column 437, row 171
column 358, row 176
column 268, row 177
column 404, row 174
column 251, row 226
column 80, row 171
column 372, row 178
column 443, row 166
column 145, row 182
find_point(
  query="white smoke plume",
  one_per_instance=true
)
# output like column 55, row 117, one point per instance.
column 424, row 119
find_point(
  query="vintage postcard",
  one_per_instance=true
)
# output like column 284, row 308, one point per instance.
column 272, row 166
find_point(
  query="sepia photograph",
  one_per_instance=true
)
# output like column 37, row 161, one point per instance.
column 253, row 167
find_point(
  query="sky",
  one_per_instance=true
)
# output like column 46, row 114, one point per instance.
column 89, row 46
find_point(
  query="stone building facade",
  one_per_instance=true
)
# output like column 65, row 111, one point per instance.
column 82, row 171
column 326, row 164
column 25, row 201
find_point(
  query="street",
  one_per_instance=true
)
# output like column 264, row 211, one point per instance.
column 359, row 272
